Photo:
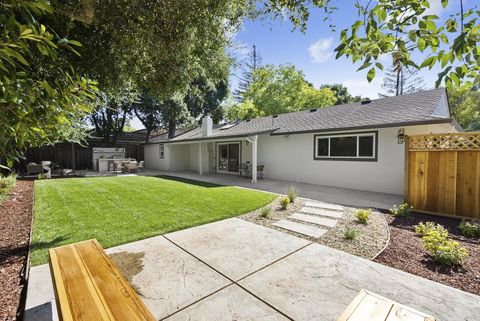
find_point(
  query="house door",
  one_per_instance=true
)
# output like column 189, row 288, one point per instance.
column 228, row 157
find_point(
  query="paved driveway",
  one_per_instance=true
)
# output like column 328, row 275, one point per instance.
column 236, row 270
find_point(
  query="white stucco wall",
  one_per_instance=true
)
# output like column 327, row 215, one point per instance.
column 291, row 158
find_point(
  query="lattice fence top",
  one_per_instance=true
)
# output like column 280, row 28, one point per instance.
column 449, row 141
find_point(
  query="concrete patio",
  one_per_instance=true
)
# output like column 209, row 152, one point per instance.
column 336, row 195
column 236, row 270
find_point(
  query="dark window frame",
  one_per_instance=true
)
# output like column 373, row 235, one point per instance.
column 161, row 151
column 347, row 158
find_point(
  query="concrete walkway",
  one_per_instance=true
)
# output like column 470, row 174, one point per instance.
column 329, row 194
column 237, row 270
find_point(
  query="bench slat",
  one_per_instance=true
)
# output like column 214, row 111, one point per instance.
column 89, row 286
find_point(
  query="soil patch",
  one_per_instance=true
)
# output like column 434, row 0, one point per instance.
column 405, row 252
column 15, row 226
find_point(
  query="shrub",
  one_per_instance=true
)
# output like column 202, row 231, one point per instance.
column 423, row 228
column 351, row 233
column 362, row 215
column 42, row 176
column 442, row 249
column 265, row 212
column 7, row 182
column 292, row 193
column 469, row 229
column 402, row 210
column 284, row 201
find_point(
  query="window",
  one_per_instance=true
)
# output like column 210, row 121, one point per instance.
column 351, row 146
column 162, row 150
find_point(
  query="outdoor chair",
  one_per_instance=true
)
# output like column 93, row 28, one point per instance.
column 140, row 166
column 117, row 166
column 34, row 169
column 243, row 169
column 260, row 171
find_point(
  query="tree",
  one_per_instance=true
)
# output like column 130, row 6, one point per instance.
column 147, row 110
column 401, row 82
column 174, row 112
column 279, row 89
column 465, row 107
column 110, row 116
column 341, row 94
column 41, row 102
column 204, row 97
column 254, row 61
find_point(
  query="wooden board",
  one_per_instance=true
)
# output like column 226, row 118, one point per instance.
column 368, row 306
column 89, row 287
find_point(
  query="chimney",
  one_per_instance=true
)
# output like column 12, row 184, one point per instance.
column 207, row 126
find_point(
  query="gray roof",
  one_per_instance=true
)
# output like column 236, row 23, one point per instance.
column 417, row 108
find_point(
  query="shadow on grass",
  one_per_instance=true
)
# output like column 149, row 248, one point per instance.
column 48, row 245
column 189, row 181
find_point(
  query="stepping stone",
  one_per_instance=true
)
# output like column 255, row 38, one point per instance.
column 324, row 205
column 322, row 212
column 307, row 230
column 314, row 219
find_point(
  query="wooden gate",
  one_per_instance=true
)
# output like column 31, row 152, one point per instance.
column 442, row 174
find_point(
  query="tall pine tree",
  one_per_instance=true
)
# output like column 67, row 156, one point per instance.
column 254, row 61
column 400, row 80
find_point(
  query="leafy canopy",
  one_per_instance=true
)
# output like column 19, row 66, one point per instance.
column 279, row 89
column 40, row 102
column 465, row 107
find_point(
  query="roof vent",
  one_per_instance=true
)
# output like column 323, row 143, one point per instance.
column 275, row 116
column 313, row 110
column 366, row 102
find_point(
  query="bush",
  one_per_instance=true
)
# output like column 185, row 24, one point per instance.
column 292, row 193
column 402, row 210
column 284, row 201
column 265, row 212
column 442, row 249
column 7, row 183
column 351, row 233
column 469, row 229
column 362, row 215
column 423, row 228
column 42, row 176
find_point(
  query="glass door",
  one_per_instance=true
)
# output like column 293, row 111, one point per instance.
column 228, row 157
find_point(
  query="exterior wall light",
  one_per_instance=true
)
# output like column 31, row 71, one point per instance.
column 401, row 136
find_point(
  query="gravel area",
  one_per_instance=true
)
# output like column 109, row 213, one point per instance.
column 405, row 252
column 15, row 225
column 371, row 239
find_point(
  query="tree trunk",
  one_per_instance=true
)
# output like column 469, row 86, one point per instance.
column 172, row 126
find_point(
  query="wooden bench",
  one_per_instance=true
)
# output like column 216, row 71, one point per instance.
column 89, row 287
column 368, row 306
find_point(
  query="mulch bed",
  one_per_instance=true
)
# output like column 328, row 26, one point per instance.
column 405, row 252
column 15, row 224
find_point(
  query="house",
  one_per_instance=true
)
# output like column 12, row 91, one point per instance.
column 356, row 145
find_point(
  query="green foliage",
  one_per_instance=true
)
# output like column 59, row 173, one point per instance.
column 279, row 89
column 284, row 201
column 266, row 211
column 351, row 233
column 424, row 228
column 41, row 100
column 442, row 249
column 401, row 27
column 469, row 229
column 341, row 94
column 6, row 184
column 42, row 176
column 292, row 193
column 465, row 107
column 362, row 215
column 402, row 210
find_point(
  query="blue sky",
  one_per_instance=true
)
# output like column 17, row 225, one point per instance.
column 312, row 51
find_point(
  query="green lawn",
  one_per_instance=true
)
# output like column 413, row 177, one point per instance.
column 117, row 210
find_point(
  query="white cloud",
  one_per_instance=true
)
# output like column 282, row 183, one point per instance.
column 321, row 50
column 361, row 87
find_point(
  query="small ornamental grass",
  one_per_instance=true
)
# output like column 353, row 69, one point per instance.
column 362, row 215
column 292, row 193
column 402, row 210
column 469, row 229
column 7, row 183
column 284, row 201
column 351, row 233
column 266, row 211
column 442, row 249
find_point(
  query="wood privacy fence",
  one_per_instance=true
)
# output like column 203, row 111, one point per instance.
column 442, row 173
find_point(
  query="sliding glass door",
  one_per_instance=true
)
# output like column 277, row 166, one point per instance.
column 228, row 160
